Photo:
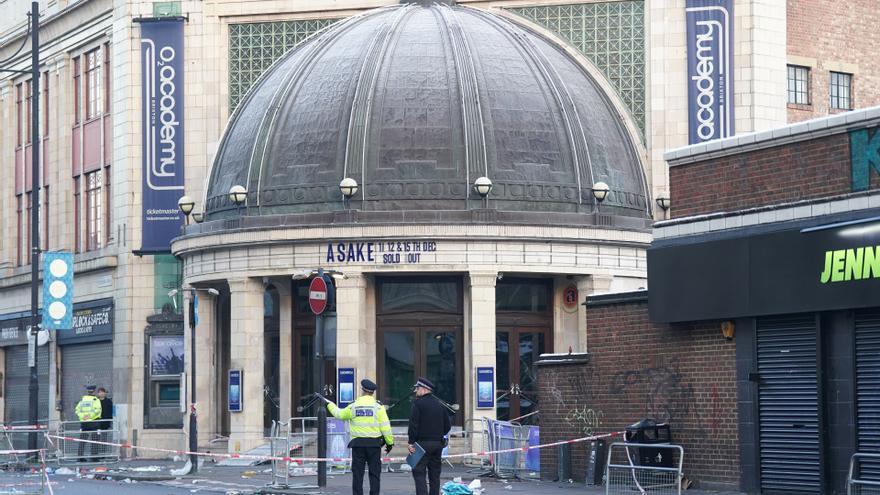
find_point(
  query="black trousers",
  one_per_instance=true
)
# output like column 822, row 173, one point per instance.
column 432, row 462
column 88, row 433
column 369, row 456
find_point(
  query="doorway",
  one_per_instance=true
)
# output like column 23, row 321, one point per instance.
column 518, row 349
column 419, row 323
column 524, row 323
column 303, row 362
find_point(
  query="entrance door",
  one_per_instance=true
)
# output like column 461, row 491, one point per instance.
column 407, row 353
column 517, row 351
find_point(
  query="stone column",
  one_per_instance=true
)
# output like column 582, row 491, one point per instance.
column 246, row 343
column 285, row 307
column 206, row 399
column 588, row 286
column 482, row 338
column 352, row 350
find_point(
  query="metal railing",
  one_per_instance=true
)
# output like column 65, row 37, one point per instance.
column 625, row 474
column 503, row 435
column 298, row 438
column 86, row 452
column 860, row 483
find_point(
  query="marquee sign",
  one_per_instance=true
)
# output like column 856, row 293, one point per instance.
column 710, row 69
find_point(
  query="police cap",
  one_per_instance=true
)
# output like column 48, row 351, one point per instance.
column 368, row 385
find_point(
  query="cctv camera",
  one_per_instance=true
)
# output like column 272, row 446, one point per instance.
column 172, row 293
column 214, row 292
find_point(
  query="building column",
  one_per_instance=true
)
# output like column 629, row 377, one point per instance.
column 246, row 354
column 482, row 339
column 352, row 345
column 587, row 286
column 206, row 399
column 285, row 338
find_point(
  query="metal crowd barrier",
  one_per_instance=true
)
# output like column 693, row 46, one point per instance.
column 625, row 475
column 74, row 452
column 477, row 435
column 503, row 435
column 859, row 482
column 298, row 437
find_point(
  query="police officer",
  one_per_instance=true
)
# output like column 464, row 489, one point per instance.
column 88, row 410
column 370, row 429
column 429, row 423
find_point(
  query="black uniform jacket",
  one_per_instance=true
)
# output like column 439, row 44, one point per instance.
column 429, row 420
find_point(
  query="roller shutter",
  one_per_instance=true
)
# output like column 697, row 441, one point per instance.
column 789, row 405
column 868, row 388
column 18, row 378
column 81, row 365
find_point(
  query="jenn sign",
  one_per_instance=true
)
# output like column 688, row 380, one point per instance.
column 710, row 69
column 162, row 132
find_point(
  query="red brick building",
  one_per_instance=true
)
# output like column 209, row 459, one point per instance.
column 774, row 238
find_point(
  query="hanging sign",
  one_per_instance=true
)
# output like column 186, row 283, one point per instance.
column 485, row 387
column 710, row 69
column 162, row 117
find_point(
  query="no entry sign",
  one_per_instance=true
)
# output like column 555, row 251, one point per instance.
column 318, row 295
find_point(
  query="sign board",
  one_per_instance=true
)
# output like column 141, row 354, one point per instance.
column 57, row 290
column 864, row 145
column 318, row 295
column 235, row 390
column 345, row 379
column 162, row 118
column 570, row 298
column 92, row 322
column 485, row 387
column 337, row 441
column 710, row 69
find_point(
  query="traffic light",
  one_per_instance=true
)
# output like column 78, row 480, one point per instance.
column 58, row 290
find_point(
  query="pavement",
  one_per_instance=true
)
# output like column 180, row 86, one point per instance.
column 155, row 477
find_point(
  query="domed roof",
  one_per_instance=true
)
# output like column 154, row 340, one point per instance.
column 415, row 102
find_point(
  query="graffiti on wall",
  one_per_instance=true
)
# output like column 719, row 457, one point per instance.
column 587, row 420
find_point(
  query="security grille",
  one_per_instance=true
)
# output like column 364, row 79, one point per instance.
column 788, row 405
column 18, row 378
column 868, row 390
column 81, row 365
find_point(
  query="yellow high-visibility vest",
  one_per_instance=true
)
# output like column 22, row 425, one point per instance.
column 366, row 417
column 88, row 408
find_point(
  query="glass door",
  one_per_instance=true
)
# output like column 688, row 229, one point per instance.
column 406, row 354
column 517, row 351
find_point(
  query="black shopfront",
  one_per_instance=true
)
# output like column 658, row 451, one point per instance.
column 804, row 299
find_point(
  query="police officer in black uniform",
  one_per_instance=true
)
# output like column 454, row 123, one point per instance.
column 429, row 423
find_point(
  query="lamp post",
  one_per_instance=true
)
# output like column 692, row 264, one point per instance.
column 348, row 187
column 600, row 192
column 186, row 205
column 482, row 186
column 193, row 416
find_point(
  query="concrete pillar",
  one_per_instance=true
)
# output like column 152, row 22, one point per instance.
column 566, row 328
column 246, row 345
column 482, row 338
column 352, row 350
column 206, row 393
column 285, row 307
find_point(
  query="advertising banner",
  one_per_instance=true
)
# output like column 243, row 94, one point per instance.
column 485, row 387
column 57, row 290
column 162, row 116
column 345, row 386
column 710, row 69
column 235, row 391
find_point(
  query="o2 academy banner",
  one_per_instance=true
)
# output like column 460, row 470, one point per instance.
column 710, row 69
column 162, row 127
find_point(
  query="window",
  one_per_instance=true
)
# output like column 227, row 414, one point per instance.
column 94, row 210
column 19, row 88
column 798, row 85
column 27, row 112
column 77, row 91
column 94, row 83
column 841, row 90
column 23, row 238
column 44, row 103
column 76, row 214
column 19, row 258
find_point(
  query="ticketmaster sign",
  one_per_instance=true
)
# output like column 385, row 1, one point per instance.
column 710, row 69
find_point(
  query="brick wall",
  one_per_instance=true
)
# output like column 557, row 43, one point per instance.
column 834, row 36
column 685, row 375
column 805, row 170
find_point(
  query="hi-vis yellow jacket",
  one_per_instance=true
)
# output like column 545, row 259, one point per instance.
column 367, row 418
column 88, row 408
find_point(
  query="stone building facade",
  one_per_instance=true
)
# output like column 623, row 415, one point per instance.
column 633, row 50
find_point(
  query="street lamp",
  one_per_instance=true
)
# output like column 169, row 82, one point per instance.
column 348, row 187
column 198, row 216
column 238, row 195
column 186, row 205
column 600, row 192
column 483, row 185
column 193, row 423
column 664, row 202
